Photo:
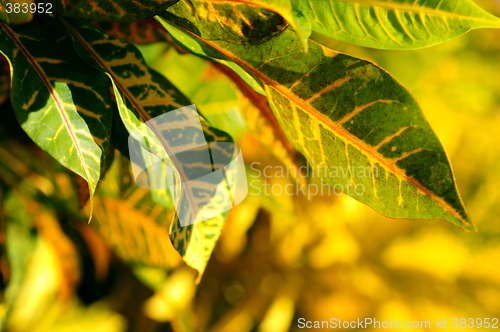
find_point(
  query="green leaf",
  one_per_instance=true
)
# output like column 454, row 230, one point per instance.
column 349, row 115
column 192, row 46
column 8, row 9
column 63, row 104
column 243, row 24
column 398, row 25
column 142, row 32
column 143, row 94
column 111, row 10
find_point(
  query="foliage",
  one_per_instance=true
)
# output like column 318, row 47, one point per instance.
column 267, row 75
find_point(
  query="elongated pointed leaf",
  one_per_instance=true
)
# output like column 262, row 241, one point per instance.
column 62, row 103
column 16, row 11
column 256, row 17
column 142, row 95
column 111, row 10
column 349, row 116
column 242, row 24
column 142, row 32
column 398, row 25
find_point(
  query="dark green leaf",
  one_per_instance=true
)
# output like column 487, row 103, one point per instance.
column 62, row 103
column 351, row 118
column 111, row 10
column 142, row 95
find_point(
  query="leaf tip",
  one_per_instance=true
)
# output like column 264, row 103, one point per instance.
column 91, row 202
column 469, row 227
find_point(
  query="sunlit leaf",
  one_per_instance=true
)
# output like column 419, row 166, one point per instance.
column 292, row 14
column 352, row 118
column 111, row 10
column 192, row 46
column 398, row 25
column 142, row 95
column 20, row 243
column 297, row 20
column 142, row 32
column 243, row 24
column 225, row 99
column 214, row 95
column 16, row 11
column 254, row 24
column 62, row 103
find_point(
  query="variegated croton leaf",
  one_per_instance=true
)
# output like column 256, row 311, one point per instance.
column 110, row 10
column 354, row 122
column 142, row 95
column 142, row 32
column 61, row 102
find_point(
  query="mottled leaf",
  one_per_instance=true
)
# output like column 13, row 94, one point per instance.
column 16, row 11
column 261, row 121
column 142, row 32
column 62, row 103
column 399, row 25
column 351, row 118
column 111, row 10
column 255, row 20
column 142, row 95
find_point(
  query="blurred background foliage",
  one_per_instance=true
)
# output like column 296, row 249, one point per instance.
column 279, row 258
